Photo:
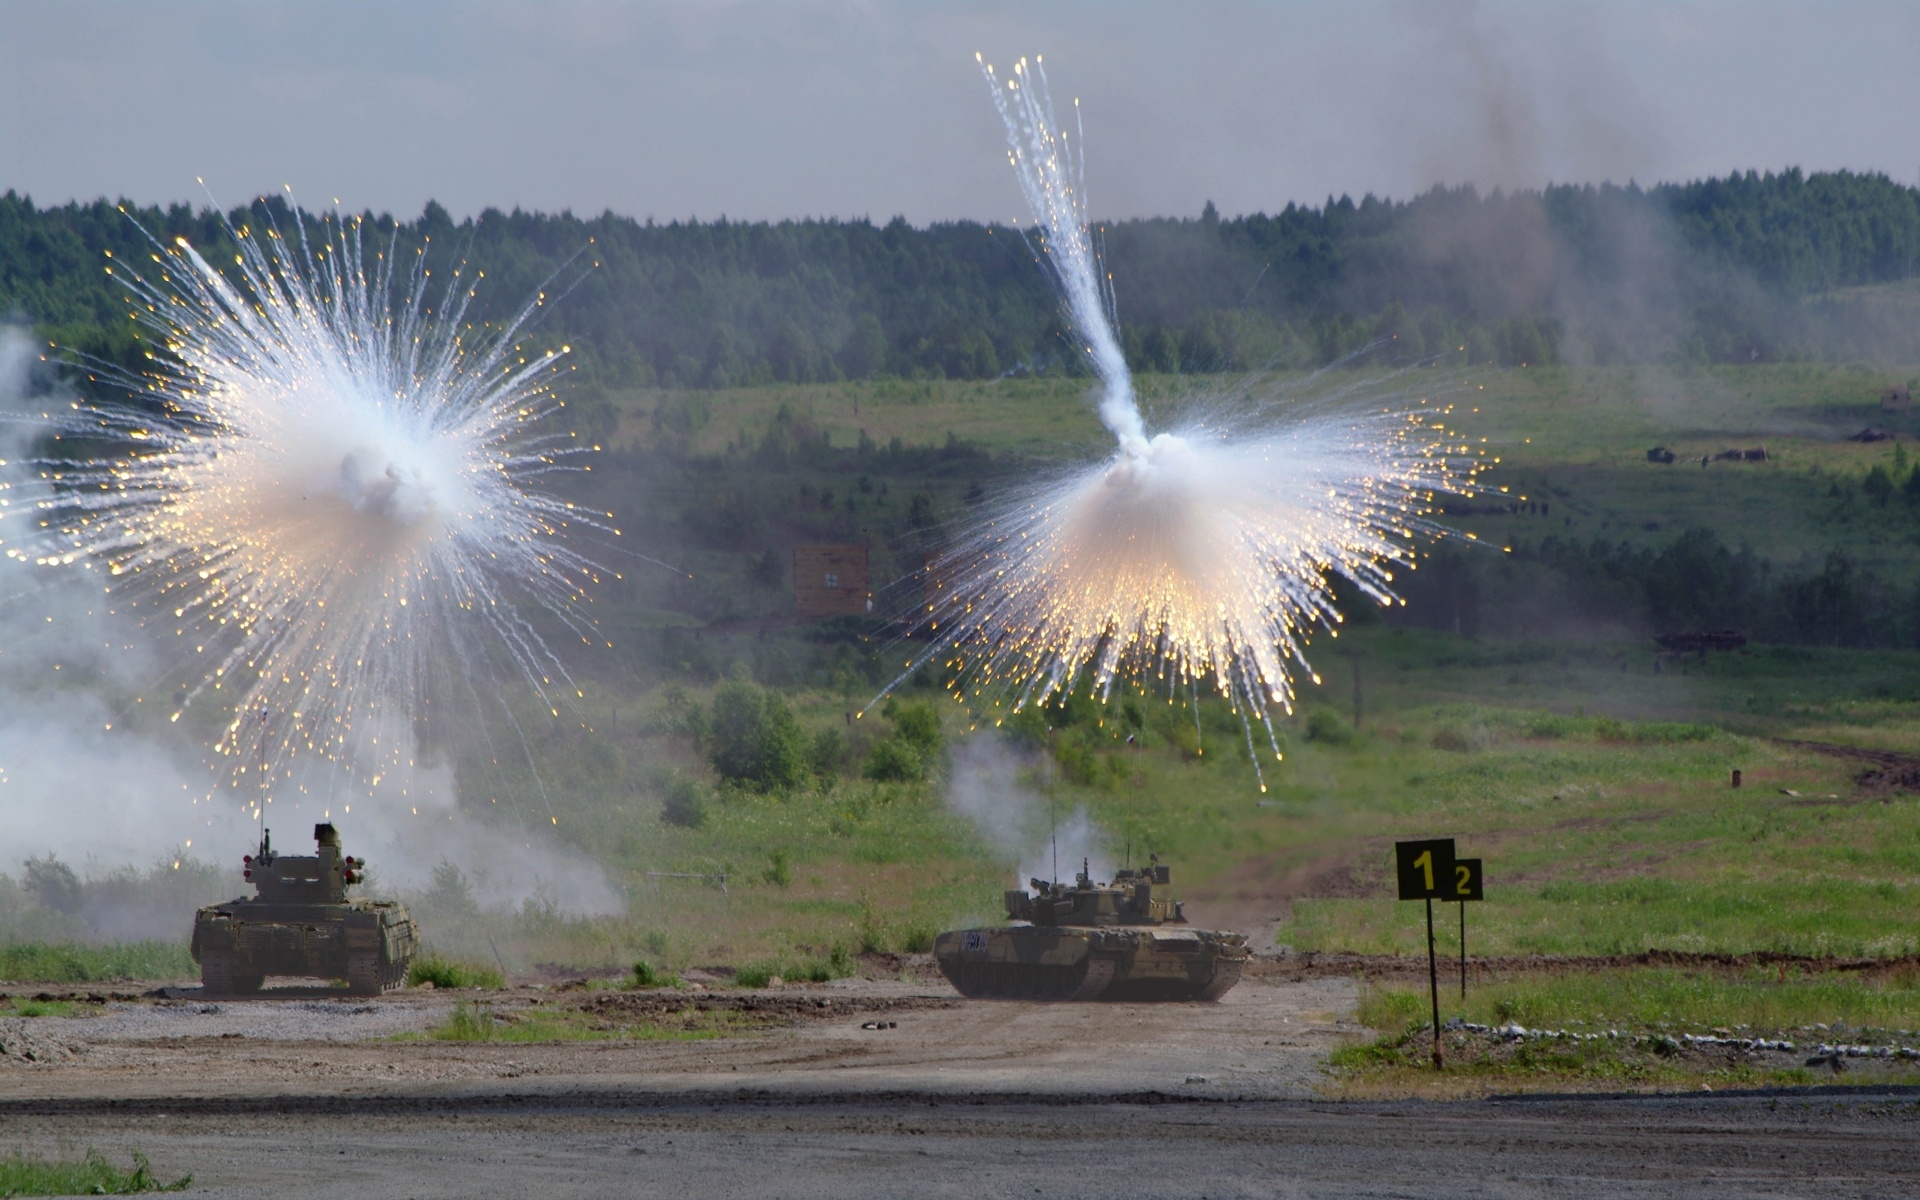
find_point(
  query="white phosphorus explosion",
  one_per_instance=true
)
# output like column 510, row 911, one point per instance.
column 1196, row 555
column 321, row 497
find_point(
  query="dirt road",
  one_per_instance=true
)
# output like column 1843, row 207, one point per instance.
column 308, row 1096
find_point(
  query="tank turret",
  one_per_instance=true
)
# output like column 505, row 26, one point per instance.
column 1125, row 939
column 301, row 922
column 1131, row 899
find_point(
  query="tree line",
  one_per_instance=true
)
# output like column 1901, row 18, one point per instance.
column 1747, row 267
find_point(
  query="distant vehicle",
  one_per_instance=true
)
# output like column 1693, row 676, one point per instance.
column 302, row 924
column 1121, row 940
column 1659, row 454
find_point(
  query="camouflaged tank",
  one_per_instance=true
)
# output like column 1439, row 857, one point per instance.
column 1125, row 940
column 302, row 923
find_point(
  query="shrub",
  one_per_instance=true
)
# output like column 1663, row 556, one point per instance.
column 754, row 739
column 916, row 724
column 470, row 1022
column 1326, row 727
column 754, row 975
column 778, row 873
column 54, row 884
column 449, row 973
column 828, row 752
column 895, row 760
column 450, row 893
column 646, row 975
column 684, row 803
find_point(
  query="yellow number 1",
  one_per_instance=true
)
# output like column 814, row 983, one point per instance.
column 1425, row 863
column 1463, row 879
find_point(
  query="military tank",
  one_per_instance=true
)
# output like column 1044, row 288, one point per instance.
column 302, row 923
column 1124, row 940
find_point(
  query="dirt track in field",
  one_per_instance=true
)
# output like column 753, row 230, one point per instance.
column 304, row 1094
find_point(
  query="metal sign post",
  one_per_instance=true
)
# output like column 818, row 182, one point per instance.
column 1467, row 885
column 1426, row 872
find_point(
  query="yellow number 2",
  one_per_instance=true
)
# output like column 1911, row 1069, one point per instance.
column 1425, row 863
column 1463, row 879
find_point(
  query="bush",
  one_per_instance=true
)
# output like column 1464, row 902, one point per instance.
column 894, row 760
column 754, row 740
column 470, row 1022
column 450, row 894
column 755, row 975
column 1326, row 727
column 828, row 752
column 54, row 884
column 448, row 973
column 684, row 803
column 778, row 873
column 646, row 975
column 916, row 724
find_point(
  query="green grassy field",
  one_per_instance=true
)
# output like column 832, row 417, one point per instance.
column 1596, row 789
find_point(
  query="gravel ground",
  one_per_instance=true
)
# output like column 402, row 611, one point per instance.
column 597, row 1143
column 876, row 1088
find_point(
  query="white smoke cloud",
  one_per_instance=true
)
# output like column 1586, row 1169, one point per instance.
column 992, row 785
column 92, row 773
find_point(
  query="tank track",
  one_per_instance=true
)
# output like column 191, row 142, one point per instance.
column 1084, row 980
column 1226, row 973
column 218, row 977
column 369, row 975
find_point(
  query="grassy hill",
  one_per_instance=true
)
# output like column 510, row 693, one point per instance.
column 1594, row 782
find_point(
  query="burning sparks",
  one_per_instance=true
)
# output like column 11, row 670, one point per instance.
column 1197, row 556
column 318, row 494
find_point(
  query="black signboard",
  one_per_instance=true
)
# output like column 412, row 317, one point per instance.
column 1467, row 881
column 1426, row 869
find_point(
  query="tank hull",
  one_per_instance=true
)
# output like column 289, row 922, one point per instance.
column 1063, row 962
column 239, row 945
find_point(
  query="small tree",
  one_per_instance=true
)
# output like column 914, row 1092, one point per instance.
column 915, row 723
column 754, row 739
column 684, row 803
column 54, row 884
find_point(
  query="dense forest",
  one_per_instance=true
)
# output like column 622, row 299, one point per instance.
column 1751, row 267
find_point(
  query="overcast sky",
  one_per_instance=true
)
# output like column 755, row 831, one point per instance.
column 762, row 110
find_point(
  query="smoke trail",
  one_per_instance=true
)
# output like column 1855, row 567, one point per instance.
column 1199, row 554
column 1052, row 175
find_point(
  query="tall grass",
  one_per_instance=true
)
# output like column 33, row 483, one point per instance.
column 41, row 962
column 93, row 1175
column 444, row 972
column 1683, row 1000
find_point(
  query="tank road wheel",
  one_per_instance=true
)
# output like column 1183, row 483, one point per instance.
column 972, row 980
column 216, row 972
column 363, row 973
column 962, row 976
column 1094, row 974
column 1226, row 973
